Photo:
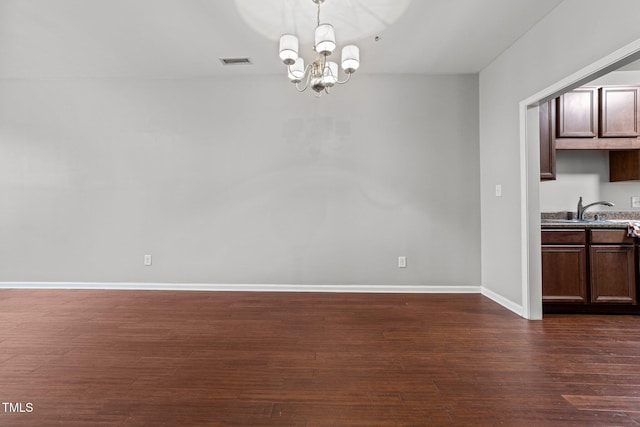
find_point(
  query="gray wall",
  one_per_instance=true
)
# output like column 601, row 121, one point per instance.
column 240, row 180
column 559, row 45
column 586, row 174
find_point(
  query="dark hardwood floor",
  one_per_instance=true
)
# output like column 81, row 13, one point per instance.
column 129, row 358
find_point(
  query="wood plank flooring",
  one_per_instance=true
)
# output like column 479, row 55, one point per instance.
column 129, row 358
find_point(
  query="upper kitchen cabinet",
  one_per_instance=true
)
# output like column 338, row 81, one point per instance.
column 619, row 112
column 593, row 118
column 607, row 112
column 577, row 113
column 602, row 118
column 624, row 165
column 547, row 141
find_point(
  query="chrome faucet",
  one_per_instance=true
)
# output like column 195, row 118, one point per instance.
column 582, row 209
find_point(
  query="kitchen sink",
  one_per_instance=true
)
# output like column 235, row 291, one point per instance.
column 586, row 221
column 571, row 220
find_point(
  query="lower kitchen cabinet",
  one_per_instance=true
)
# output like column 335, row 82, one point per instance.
column 613, row 275
column 589, row 270
column 564, row 266
column 612, row 265
column 564, row 274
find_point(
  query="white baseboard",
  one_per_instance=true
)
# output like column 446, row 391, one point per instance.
column 221, row 287
column 508, row 304
column 242, row 287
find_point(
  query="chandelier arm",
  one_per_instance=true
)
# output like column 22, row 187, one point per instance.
column 304, row 73
column 306, row 84
column 345, row 80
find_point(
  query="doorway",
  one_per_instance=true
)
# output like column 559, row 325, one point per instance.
column 530, row 170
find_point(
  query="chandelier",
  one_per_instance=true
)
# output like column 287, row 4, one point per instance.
column 321, row 74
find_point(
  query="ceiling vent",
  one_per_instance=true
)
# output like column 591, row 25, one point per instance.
column 235, row 61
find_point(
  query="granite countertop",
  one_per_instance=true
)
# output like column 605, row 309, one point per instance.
column 550, row 223
column 606, row 219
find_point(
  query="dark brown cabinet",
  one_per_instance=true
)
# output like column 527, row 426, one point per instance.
column 619, row 112
column 547, row 141
column 564, row 274
column 577, row 113
column 564, row 266
column 588, row 270
column 624, row 165
column 612, row 267
column 593, row 118
column 612, row 274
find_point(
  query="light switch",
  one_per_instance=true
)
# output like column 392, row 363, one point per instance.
column 498, row 190
column 147, row 260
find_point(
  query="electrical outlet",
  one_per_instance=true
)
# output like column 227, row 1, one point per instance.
column 402, row 262
column 147, row 260
column 635, row 202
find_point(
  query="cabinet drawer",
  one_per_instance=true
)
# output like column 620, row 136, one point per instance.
column 564, row 237
column 617, row 236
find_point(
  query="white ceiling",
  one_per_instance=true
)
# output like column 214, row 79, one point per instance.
column 49, row 39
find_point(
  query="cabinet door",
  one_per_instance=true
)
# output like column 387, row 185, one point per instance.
column 547, row 141
column 564, row 273
column 577, row 113
column 613, row 277
column 624, row 165
column 619, row 112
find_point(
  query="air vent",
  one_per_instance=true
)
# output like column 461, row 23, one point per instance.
column 235, row 61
